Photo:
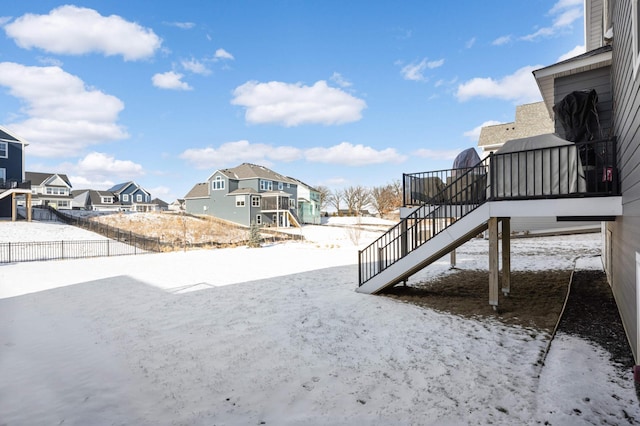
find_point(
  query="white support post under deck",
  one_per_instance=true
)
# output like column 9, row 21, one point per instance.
column 493, row 262
column 506, row 255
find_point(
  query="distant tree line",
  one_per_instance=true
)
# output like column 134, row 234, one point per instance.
column 355, row 199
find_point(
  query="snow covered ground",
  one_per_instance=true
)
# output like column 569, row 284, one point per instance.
column 278, row 336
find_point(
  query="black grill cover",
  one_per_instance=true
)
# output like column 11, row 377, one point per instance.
column 578, row 114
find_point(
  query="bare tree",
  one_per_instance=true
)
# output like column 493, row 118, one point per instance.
column 387, row 198
column 382, row 199
column 335, row 199
column 325, row 196
column 356, row 198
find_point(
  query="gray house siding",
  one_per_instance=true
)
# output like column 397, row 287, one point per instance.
column 599, row 80
column 197, row 205
column 595, row 17
column 625, row 231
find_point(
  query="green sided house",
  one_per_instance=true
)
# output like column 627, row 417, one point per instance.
column 247, row 194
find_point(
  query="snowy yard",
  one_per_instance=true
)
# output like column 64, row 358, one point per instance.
column 278, row 336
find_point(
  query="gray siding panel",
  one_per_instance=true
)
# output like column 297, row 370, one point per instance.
column 626, row 229
column 599, row 80
column 594, row 38
column 626, row 242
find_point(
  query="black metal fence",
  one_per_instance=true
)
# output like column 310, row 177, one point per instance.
column 587, row 169
column 141, row 242
column 55, row 250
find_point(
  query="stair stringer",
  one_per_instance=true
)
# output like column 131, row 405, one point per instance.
column 452, row 237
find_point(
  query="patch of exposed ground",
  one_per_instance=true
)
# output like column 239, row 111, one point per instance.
column 535, row 300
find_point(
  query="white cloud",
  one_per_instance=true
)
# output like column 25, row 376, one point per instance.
column 337, row 78
column 223, row 54
column 170, row 80
column 469, row 44
column 564, row 13
column 4, row 20
column 415, row 71
column 63, row 115
column 195, row 66
column 348, row 154
column 182, row 25
column 565, row 4
column 501, row 40
column 232, row 153
column 474, row 133
column 99, row 171
column 519, row 87
column 434, row 154
column 73, row 30
column 296, row 104
column 239, row 152
column 162, row 192
column 578, row 50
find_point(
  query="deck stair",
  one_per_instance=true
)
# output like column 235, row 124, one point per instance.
column 450, row 207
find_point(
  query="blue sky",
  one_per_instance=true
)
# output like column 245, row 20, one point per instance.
column 334, row 93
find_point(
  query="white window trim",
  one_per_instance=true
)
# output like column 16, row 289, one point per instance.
column 280, row 186
column 125, row 198
column 635, row 35
column 3, row 174
column 258, row 219
column 240, row 201
column 6, row 149
column 217, row 184
column 139, row 198
column 255, row 201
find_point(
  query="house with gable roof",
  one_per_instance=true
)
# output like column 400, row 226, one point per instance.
column 91, row 199
column 50, row 189
column 246, row 194
column 132, row 197
column 13, row 185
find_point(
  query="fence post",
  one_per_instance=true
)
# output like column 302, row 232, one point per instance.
column 9, row 252
column 62, row 248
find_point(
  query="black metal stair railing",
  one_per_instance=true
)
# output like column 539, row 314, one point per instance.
column 587, row 169
column 466, row 192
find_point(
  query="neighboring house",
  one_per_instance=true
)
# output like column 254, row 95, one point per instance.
column 50, row 189
column 611, row 66
column 531, row 120
column 90, row 199
column 308, row 203
column 160, row 205
column 589, row 173
column 13, row 185
column 246, row 194
column 132, row 197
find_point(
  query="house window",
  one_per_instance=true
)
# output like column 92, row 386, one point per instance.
column 280, row 186
column 49, row 191
column 139, row 198
column 3, row 175
column 258, row 219
column 4, row 150
column 217, row 184
column 239, row 200
column 107, row 200
column 266, row 185
column 125, row 198
column 635, row 35
column 292, row 203
column 255, row 201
